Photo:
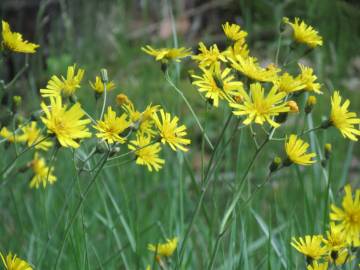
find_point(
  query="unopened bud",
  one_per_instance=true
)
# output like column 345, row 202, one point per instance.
column 122, row 99
column 327, row 150
column 17, row 100
column 310, row 103
column 104, row 75
column 293, row 106
column 275, row 164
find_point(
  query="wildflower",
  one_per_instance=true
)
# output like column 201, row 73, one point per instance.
column 349, row 216
column 14, row 41
column 42, row 173
column 335, row 241
column 234, row 32
column 111, row 127
column 275, row 164
column 310, row 103
column 293, row 106
column 308, row 78
column 12, row 262
column 289, row 84
column 251, row 69
column 317, row 266
column 342, row 119
column 260, row 109
column 217, row 84
column 122, row 99
column 238, row 48
column 8, row 135
column 54, row 87
column 67, row 125
column 167, row 54
column 147, row 152
column 98, row 85
column 328, row 150
column 170, row 132
column 310, row 246
column 165, row 249
column 304, row 33
column 32, row 136
column 208, row 57
column 295, row 149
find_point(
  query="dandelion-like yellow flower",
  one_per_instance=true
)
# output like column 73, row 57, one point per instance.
column 296, row 149
column 261, row 109
column 217, row 84
column 251, row 69
column 318, row 266
column 289, row 84
column 54, row 87
column 310, row 246
column 238, row 48
column 98, row 85
column 335, row 238
column 342, row 119
column 12, row 262
column 167, row 54
column 147, row 152
column 67, row 125
column 308, row 78
column 14, row 41
column 165, row 249
column 208, row 57
column 304, row 33
column 234, row 32
column 111, row 127
column 42, row 175
column 349, row 216
column 9, row 135
column 32, row 136
column 170, row 132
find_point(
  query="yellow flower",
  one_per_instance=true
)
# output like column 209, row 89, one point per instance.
column 217, row 84
column 304, row 33
column 8, row 135
column 310, row 246
column 208, row 57
column 167, row 54
column 308, row 78
column 238, row 48
column 317, row 266
column 234, row 32
column 170, row 132
column 12, row 262
column 147, row 152
column 42, row 175
column 289, row 84
column 32, row 136
column 165, row 249
column 251, row 69
column 295, row 149
column 14, row 41
column 260, row 109
column 98, row 85
column 66, row 125
column 342, row 119
column 122, row 99
column 294, row 108
column 349, row 216
column 54, row 87
column 111, row 127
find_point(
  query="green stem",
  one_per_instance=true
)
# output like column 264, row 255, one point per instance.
column 20, row 72
column 104, row 103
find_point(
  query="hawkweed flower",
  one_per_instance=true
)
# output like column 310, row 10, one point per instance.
column 348, row 217
column 261, row 109
column 296, row 151
column 238, row 48
column 98, row 85
column 289, row 84
column 13, row 41
column 304, row 33
column 67, row 125
column 170, row 132
column 217, row 84
column 12, row 262
column 111, row 127
column 43, row 175
column 335, row 242
column 147, row 152
column 165, row 249
column 310, row 103
column 208, row 57
column 32, row 136
column 342, row 119
column 308, row 78
column 167, row 54
column 8, row 135
column 234, row 32
column 310, row 246
column 318, row 266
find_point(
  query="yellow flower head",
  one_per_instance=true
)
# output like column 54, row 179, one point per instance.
column 289, row 84
column 66, row 125
column 304, row 33
column 54, row 87
column 310, row 246
column 295, row 149
column 317, row 266
column 234, row 32
column 308, row 78
column 42, row 175
column 251, row 69
column 217, row 84
column 111, row 127
column 167, row 54
column 98, row 85
column 238, row 48
column 208, row 57
column 165, row 249
column 12, row 262
column 32, row 136
column 342, row 119
column 335, row 238
column 348, row 217
column 170, row 132
column 14, row 41
column 261, row 109
column 147, row 152
column 8, row 135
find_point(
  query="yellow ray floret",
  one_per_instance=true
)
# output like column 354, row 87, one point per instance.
column 98, row 85
column 308, row 78
column 233, row 31
column 33, row 137
column 296, row 149
column 12, row 262
column 310, row 246
column 208, row 57
column 318, row 266
column 289, row 84
column 43, row 175
column 167, row 54
column 165, row 249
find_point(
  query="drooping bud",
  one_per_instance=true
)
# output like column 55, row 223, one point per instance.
column 293, row 106
column 310, row 103
column 327, row 150
column 122, row 99
column 275, row 164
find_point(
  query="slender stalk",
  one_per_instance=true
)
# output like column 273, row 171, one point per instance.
column 104, row 103
column 20, row 72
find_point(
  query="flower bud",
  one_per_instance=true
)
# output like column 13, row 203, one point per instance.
column 293, row 106
column 104, row 75
column 310, row 103
column 122, row 99
column 275, row 164
column 327, row 150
